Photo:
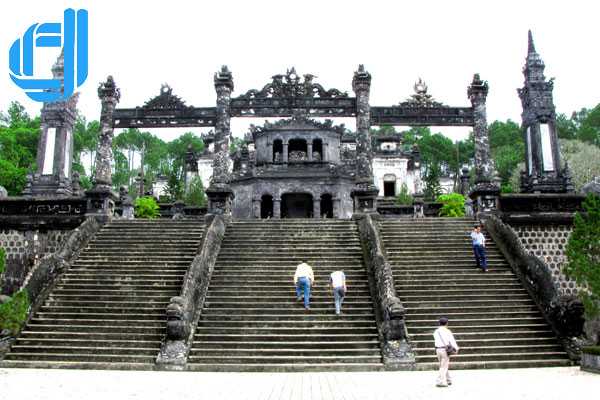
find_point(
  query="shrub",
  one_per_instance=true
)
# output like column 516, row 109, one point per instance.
column 583, row 253
column 146, row 207
column 13, row 313
column 195, row 195
column 453, row 205
column 404, row 198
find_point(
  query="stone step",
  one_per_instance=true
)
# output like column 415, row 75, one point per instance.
column 113, row 303
column 441, row 303
column 529, row 363
column 283, row 367
column 481, row 319
column 270, row 281
column 107, row 336
column 109, row 309
column 316, row 345
column 436, row 286
column 81, row 343
column 146, row 351
column 493, row 272
column 116, row 287
column 499, row 334
column 288, row 293
column 107, row 358
column 482, row 328
column 489, row 350
column 460, row 357
column 452, row 293
column 282, row 337
column 88, row 328
column 111, row 322
column 426, row 344
column 270, row 309
column 485, row 309
column 342, row 350
column 237, row 359
column 286, row 317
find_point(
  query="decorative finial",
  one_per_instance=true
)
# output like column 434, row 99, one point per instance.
column 530, row 44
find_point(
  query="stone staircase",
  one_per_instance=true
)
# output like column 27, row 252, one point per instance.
column 495, row 322
column 251, row 320
column 108, row 309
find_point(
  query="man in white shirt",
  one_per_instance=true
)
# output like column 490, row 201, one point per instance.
column 479, row 248
column 337, row 280
column 303, row 280
column 443, row 337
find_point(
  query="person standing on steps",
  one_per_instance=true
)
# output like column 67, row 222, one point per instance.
column 445, row 345
column 337, row 280
column 303, row 280
column 479, row 248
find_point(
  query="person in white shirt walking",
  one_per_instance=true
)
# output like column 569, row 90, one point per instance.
column 444, row 338
column 479, row 248
column 303, row 280
column 337, row 280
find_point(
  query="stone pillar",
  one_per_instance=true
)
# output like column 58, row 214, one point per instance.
column 101, row 198
column 53, row 176
column 486, row 191
column 365, row 193
column 285, row 152
column 219, row 192
column 316, row 208
column 276, row 208
column 464, row 181
column 336, row 207
column 543, row 171
column 309, row 147
column 256, row 205
column 191, row 167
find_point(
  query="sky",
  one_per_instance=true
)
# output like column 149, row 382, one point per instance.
column 182, row 43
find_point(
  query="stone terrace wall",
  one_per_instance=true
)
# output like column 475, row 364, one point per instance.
column 24, row 248
column 548, row 242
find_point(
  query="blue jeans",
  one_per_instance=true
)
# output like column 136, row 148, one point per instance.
column 303, row 285
column 479, row 251
column 338, row 296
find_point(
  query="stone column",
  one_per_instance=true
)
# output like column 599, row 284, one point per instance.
column 285, row 152
column 309, row 147
column 365, row 193
column 486, row 191
column 316, row 208
column 55, row 147
column 219, row 192
column 276, row 208
column 336, row 207
column 101, row 198
column 256, row 205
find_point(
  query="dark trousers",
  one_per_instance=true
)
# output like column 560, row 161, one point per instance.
column 479, row 251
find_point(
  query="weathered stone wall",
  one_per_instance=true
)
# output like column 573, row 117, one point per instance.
column 548, row 242
column 24, row 248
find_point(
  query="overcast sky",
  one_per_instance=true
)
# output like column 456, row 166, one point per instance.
column 145, row 44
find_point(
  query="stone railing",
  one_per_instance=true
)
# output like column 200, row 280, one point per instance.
column 42, row 278
column 184, row 310
column 563, row 313
column 35, row 213
column 396, row 351
column 540, row 208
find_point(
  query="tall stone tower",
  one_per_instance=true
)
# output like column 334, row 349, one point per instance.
column 55, row 148
column 543, row 172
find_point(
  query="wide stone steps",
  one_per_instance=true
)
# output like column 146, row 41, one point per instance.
column 495, row 322
column 251, row 320
column 108, row 309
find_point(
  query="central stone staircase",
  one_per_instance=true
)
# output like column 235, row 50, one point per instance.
column 108, row 309
column 251, row 320
column 495, row 322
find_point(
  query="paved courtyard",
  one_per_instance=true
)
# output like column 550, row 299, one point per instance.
column 547, row 384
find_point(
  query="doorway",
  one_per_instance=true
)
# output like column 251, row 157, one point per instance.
column 296, row 205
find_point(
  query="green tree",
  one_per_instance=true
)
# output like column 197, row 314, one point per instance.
column 14, row 312
column 583, row 253
column 86, row 136
column 507, row 147
column 404, row 198
column 195, row 195
column 432, row 183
